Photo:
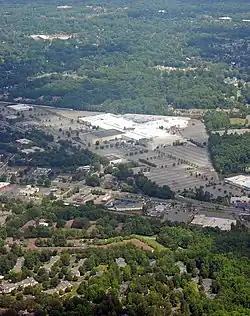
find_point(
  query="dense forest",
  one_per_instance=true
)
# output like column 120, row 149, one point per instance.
column 230, row 152
column 189, row 271
column 126, row 56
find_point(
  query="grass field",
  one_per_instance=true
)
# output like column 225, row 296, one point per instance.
column 151, row 241
column 238, row 121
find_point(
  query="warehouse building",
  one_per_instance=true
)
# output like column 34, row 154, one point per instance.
column 207, row 221
column 20, row 107
column 125, row 205
column 104, row 135
column 241, row 181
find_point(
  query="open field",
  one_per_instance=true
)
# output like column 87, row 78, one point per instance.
column 78, row 245
column 150, row 241
column 238, row 121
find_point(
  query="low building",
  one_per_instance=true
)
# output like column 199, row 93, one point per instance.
column 62, row 286
column 32, row 150
column 103, row 199
column 84, row 168
column 125, row 205
column 121, row 262
column 207, row 221
column 20, row 107
column 42, row 222
column 24, row 141
column 115, row 160
column 4, row 185
column 7, row 288
column 241, row 181
column 101, row 136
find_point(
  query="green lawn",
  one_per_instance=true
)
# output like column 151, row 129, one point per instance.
column 238, row 121
column 151, row 241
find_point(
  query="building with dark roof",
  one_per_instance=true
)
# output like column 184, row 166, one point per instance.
column 104, row 135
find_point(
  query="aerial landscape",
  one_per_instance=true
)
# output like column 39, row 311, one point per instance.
column 125, row 157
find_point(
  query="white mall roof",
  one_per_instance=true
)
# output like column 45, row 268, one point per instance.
column 221, row 223
column 240, row 180
column 137, row 126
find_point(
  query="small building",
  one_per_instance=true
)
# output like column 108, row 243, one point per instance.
column 32, row 150
column 7, row 288
column 42, row 222
column 24, row 141
column 207, row 221
column 62, row 286
column 121, row 262
column 125, row 205
column 84, row 168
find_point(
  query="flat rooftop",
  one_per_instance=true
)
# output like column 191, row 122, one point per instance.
column 106, row 133
column 20, row 107
column 241, row 180
column 207, row 221
column 112, row 157
column 137, row 126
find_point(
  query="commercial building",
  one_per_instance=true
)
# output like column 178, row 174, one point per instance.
column 125, row 205
column 206, row 221
column 4, row 185
column 241, row 181
column 137, row 127
column 20, row 107
column 104, row 135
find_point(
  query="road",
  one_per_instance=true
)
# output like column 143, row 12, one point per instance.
column 2, row 169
